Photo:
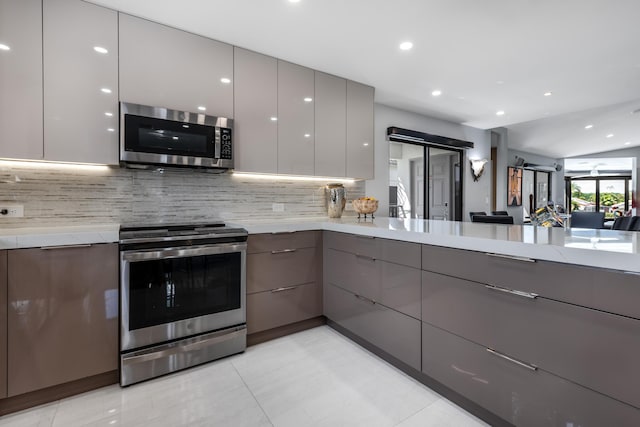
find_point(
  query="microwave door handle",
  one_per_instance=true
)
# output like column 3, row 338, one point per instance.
column 216, row 144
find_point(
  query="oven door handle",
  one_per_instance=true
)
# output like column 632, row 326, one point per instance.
column 182, row 252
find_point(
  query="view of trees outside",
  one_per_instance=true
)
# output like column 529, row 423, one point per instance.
column 612, row 197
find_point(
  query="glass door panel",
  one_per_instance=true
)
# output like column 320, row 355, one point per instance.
column 612, row 198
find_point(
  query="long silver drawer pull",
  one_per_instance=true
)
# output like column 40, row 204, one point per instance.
column 370, row 258
column 46, row 248
column 360, row 297
column 515, row 258
column 511, row 359
column 284, row 251
column 288, row 288
column 529, row 295
column 282, row 232
column 634, row 273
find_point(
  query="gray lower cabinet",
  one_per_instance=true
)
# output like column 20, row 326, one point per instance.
column 517, row 394
column 393, row 285
column 21, row 79
column 62, row 315
column 607, row 290
column 282, row 306
column 589, row 347
column 284, row 279
column 372, row 288
column 3, row 322
column 393, row 332
column 80, row 83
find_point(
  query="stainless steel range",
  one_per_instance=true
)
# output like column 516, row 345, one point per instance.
column 182, row 297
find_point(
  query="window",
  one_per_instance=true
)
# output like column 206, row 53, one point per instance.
column 608, row 194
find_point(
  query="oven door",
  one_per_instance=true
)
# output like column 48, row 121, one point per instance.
column 172, row 293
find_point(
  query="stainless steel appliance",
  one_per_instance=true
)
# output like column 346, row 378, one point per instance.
column 160, row 136
column 182, row 297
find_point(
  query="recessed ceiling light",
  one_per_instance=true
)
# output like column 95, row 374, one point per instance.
column 547, row 93
column 185, row 126
column 274, row 119
column 627, row 143
column 294, row 1
column 100, row 49
column 406, row 45
column 4, row 47
column 500, row 113
column 225, row 80
column 588, row 126
column 108, row 114
column 610, row 135
column 106, row 90
column 436, row 93
column 174, row 137
column 202, row 108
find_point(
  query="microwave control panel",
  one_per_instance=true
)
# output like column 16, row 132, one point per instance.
column 225, row 143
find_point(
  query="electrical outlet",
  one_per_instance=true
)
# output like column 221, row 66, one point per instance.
column 15, row 211
column 277, row 207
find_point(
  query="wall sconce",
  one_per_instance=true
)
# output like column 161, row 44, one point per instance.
column 477, row 168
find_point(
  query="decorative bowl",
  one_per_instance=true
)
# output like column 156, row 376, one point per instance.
column 365, row 206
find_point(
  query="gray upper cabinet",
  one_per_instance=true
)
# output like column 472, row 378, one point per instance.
column 256, row 111
column 21, row 79
column 359, row 130
column 295, row 119
column 331, row 125
column 80, row 82
column 165, row 67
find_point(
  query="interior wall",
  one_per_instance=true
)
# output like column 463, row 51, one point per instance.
column 476, row 195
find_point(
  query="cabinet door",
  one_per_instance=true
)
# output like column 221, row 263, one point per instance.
column 3, row 324
column 256, row 112
column 295, row 119
column 359, row 130
column 331, row 125
column 21, row 79
column 63, row 315
column 165, row 67
column 80, row 83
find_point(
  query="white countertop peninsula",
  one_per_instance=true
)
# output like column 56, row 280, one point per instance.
column 30, row 237
column 619, row 250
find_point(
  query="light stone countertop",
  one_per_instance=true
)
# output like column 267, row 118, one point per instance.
column 35, row 237
column 619, row 250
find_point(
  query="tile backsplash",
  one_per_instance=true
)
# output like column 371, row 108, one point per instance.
column 66, row 195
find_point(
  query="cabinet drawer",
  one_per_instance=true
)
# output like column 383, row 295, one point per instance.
column 280, row 241
column 393, row 285
column 402, row 253
column 608, row 290
column 592, row 348
column 393, row 332
column 270, row 270
column 270, row 309
column 514, row 393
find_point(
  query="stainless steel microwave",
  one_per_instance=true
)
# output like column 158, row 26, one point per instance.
column 164, row 137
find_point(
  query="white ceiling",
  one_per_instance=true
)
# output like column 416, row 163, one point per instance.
column 484, row 55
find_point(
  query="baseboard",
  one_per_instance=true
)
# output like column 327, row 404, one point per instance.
column 262, row 336
column 57, row 392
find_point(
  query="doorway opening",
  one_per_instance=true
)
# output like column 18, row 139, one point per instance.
column 425, row 181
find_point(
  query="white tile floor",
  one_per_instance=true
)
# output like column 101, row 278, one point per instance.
column 312, row 378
